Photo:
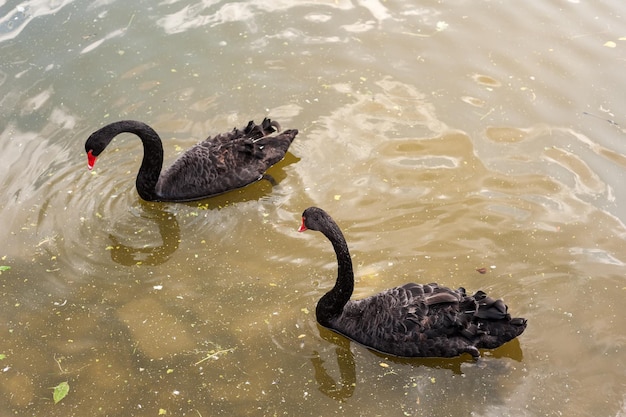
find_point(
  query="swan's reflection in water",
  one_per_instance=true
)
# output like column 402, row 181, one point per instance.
column 326, row 384
column 510, row 350
column 164, row 216
column 344, row 388
column 169, row 232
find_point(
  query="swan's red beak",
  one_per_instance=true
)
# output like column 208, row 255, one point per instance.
column 302, row 227
column 91, row 160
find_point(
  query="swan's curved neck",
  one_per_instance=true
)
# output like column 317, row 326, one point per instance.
column 332, row 303
column 152, row 162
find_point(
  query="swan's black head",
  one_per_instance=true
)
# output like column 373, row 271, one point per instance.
column 315, row 218
column 92, row 154
column 94, row 146
column 100, row 139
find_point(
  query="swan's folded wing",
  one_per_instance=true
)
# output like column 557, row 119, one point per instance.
column 252, row 131
column 215, row 167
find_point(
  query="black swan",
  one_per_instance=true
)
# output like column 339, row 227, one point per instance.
column 228, row 161
column 412, row 320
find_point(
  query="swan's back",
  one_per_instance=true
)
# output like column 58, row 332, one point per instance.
column 427, row 320
column 225, row 162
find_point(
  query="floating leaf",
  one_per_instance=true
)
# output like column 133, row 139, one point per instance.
column 2, row 356
column 482, row 270
column 384, row 365
column 60, row 391
column 4, row 268
column 162, row 412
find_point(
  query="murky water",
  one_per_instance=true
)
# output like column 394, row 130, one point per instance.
column 443, row 137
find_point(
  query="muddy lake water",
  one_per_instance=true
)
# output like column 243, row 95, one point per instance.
column 444, row 137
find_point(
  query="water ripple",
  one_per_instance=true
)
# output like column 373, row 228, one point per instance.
column 15, row 20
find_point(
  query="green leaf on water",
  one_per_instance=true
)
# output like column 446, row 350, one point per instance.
column 4, row 268
column 60, row 391
column 2, row 356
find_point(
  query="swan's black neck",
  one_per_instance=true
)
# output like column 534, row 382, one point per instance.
column 332, row 303
column 152, row 163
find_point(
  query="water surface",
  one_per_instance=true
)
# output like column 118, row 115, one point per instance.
column 442, row 137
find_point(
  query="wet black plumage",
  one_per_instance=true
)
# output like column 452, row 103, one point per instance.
column 219, row 164
column 413, row 320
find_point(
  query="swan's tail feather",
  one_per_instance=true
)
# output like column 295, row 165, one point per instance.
column 255, row 131
column 492, row 324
